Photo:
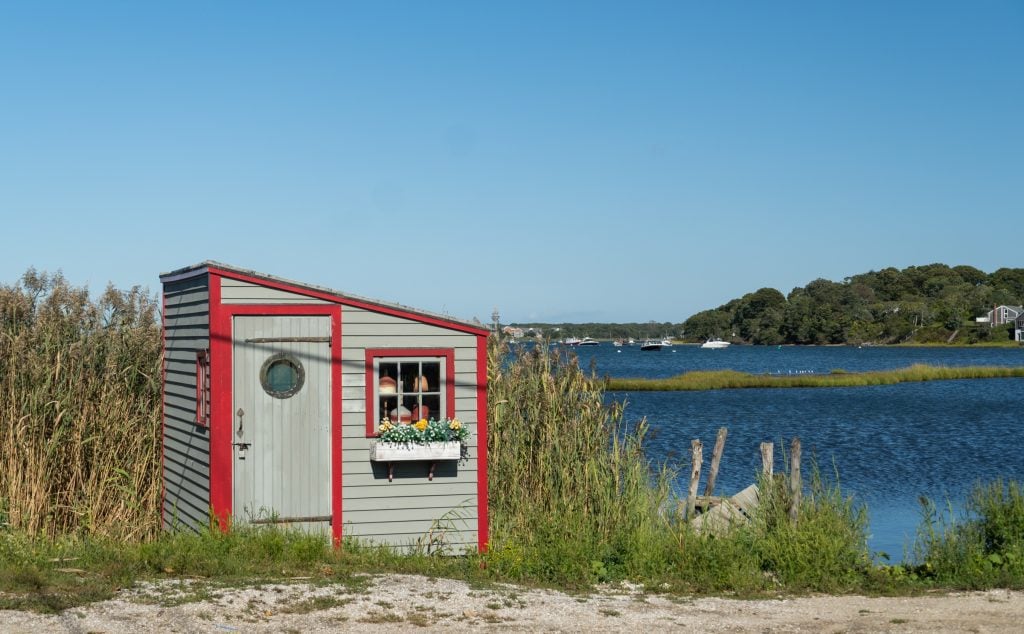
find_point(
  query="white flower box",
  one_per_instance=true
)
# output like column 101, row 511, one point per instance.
column 397, row 452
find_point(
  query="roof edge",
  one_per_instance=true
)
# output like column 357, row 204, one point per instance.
column 212, row 266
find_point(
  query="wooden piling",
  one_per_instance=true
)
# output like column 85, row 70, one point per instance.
column 716, row 457
column 696, row 458
column 767, row 458
column 795, row 487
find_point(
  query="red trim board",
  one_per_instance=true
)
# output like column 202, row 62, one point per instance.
column 483, row 532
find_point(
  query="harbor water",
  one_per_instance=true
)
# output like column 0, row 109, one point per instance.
column 888, row 446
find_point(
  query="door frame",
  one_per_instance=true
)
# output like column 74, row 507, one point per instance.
column 221, row 388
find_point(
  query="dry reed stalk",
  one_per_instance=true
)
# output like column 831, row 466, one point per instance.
column 80, row 410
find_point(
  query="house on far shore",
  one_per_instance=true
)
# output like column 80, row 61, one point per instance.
column 1018, row 331
column 1001, row 315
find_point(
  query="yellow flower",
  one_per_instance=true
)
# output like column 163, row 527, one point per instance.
column 455, row 424
column 386, row 426
column 421, row 424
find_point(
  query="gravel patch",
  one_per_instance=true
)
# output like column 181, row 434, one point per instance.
column 404, row 603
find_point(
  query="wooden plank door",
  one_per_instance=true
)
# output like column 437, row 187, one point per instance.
column 281, row 431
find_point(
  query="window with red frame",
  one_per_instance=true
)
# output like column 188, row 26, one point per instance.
column 404, row 387
column 202, row 387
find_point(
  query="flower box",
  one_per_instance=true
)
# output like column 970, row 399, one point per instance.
column 397, row 452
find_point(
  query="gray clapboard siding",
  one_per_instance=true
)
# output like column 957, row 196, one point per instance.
column 400, row 532
column 406, row 488
column 359, row 464
column 355, row 353
column 452, row 513
column 408, row 473
column 445, row 502
column 239, row 292
column 186, row 445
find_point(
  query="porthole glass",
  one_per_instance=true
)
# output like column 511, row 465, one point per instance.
column 282, row 375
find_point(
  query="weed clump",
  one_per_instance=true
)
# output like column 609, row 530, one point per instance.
column 984, row 548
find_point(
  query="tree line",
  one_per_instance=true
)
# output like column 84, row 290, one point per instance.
column 921, row 304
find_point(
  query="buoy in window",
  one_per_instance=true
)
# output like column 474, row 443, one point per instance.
column 400, row 415
column 420, row 411
column 387, row 385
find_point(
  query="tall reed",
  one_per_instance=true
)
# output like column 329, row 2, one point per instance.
column 572, row 496
column 79, row 409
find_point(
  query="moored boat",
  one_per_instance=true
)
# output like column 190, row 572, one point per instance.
column 652, row 344
column 715, row 344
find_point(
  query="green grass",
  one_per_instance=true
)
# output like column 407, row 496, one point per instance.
column 983, row 548
column 730, row 379
column 52, row 574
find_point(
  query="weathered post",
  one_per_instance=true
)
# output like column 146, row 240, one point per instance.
column 716, row 457
column 767, row 458
column 696, row 458
column 794, row 480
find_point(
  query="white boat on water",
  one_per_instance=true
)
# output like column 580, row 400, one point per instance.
column 715, row 344
column 652, row 344
column 570, row 341
column 587, row 341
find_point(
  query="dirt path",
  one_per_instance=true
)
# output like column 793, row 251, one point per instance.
column 394, row 603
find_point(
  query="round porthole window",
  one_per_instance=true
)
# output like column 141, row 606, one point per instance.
column 282, row 375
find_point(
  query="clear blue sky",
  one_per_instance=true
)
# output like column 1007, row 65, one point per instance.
column 576, row 161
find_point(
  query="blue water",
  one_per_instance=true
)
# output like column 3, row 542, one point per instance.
column 889, row 445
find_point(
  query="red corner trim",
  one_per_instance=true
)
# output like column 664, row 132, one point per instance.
column 348, row 301
column 336, row 435
column 220, row 410
column 481, row 443
column 375, row 353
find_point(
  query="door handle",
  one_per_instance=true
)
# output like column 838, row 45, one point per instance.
column 240, row 413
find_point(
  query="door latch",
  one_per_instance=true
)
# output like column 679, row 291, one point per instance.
column 242, row 447
column 240, row 413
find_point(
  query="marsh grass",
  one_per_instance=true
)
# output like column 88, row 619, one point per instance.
column 79, row 409
column 983, row 548
column 731, row 379
column 586, row 506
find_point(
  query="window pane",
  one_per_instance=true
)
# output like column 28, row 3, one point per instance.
column 431, row 377
column 432, row 406
column 409, row 373
column 387, row 378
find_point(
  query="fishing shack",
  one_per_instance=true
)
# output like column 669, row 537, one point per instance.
column 276, row 392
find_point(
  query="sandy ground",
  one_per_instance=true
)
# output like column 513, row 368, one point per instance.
column 394, row 603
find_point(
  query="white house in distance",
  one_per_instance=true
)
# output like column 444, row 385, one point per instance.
column 1000, row 315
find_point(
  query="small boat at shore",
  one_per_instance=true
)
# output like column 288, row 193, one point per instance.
column 715, row 344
